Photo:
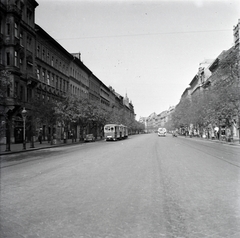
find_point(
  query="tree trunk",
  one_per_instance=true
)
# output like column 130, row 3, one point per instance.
column 8, row 135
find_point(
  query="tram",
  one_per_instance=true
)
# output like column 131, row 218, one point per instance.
column 115, row 132
column 124, row 131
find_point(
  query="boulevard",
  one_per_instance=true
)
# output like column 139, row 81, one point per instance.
column 145, row 186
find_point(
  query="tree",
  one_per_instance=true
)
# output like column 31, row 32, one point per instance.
column 225, row 90
column 181, row 115
column 42, row 112
column 5, row 106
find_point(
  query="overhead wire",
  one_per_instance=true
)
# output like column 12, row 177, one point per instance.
column 143, row 34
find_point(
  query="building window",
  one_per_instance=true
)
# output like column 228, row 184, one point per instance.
column 29, row 94
column 29, row 17
column 8, row 29
column 43, row 76
column 60, row 84
column 64, row 85
column 48, row 57
column 52, row 60
column 43, row 54
column 8, row 58
column 1, row 26
column 52, row 80
column 8, row 91
column 16, row 59
column 57, row 82
column 67, row 87
column 16, row 89
column 38, row 51
column 48, row 78
column 21, row 38
column 38, row 74
column 29, row 42
column 16, row 29
column 21, row 93
column 22, row 7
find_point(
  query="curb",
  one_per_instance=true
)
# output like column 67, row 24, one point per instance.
column 237, row 143
column 2, row 153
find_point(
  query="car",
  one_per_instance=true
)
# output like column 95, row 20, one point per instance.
column 89, row 137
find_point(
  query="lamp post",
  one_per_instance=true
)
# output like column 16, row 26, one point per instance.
column 24, row 114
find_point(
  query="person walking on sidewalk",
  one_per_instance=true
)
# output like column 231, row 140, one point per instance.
column 49, row 137
column 40, row 137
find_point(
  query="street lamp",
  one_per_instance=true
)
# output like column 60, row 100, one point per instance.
column 24, row 115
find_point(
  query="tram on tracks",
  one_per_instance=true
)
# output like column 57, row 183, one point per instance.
column 115, row 132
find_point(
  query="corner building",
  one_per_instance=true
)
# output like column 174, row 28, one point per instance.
column 17, row 56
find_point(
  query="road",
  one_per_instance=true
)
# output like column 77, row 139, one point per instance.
column 145, row 186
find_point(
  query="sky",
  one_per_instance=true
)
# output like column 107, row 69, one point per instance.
column 149, row 50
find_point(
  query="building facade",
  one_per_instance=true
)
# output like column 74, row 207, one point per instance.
column 17, row 57
column 40, row 68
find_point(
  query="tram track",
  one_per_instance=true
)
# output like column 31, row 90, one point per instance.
column 223, row 153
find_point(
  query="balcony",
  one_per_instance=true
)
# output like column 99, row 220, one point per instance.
column 10, row 40
column 12, row 8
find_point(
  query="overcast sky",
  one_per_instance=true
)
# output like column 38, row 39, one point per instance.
column 150, row 50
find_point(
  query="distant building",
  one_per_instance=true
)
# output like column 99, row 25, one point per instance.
column 236, row 34
column 151, row 122
column 201, row 77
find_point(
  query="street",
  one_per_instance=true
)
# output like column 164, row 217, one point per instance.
column 145, row 186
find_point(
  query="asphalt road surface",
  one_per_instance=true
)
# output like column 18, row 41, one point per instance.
column 145, row 186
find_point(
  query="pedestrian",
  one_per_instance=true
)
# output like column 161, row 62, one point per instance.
column 40, row 137
column 49, row 137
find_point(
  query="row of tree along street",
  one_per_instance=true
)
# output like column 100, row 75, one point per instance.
column 71, row 117
column 214, row 111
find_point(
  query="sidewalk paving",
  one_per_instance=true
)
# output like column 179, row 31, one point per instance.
column 18, row 148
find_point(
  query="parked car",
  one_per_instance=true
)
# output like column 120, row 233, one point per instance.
column 89, row 137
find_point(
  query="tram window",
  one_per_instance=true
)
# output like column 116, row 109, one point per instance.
column 107, row 128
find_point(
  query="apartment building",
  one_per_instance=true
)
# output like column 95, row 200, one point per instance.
column 41, row 68
column 17, row 57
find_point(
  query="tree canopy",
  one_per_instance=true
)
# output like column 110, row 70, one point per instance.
column 218, row 102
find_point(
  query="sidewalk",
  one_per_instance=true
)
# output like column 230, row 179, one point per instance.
column 235, row 142
column 18, row 148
